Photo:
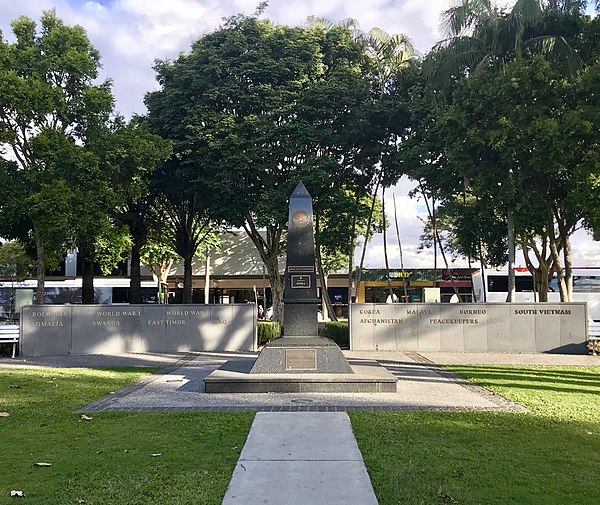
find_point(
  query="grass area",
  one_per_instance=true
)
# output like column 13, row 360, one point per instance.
column 116, row 458
column 550, row 456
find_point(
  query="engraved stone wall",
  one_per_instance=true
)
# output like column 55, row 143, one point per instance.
column 113, row 329
column 458, row 327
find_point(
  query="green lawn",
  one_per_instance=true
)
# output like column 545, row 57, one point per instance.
column 108, row 459
column 550, row 456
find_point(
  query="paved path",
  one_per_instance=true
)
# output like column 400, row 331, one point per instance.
column 302, row 458
column 422, row 386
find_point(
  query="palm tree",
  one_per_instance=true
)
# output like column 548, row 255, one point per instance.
column 480, row 36
column 388, row 55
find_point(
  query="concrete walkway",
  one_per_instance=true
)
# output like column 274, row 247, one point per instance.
column 302, row 458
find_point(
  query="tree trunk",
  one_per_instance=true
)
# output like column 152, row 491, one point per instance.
column 326, row 305
column 351, row 254
column 87, row 282
column 40, row 268
column 483, row 277
column 558, row 265
column 568, row 268
column 187, row 279
column 350, row 278
column 276, row 281
column 400, row 250
column 385, row 254
column 367, row 235
column 562, row 286
column 564, row 231
column 438, row 241
column 135, row 283
column 510, row 218
column 435, row 236
column 268, row 248
column 207, row 278
column 543, row 273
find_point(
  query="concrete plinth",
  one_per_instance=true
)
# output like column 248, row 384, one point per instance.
column 365, row 376
column 298, row 355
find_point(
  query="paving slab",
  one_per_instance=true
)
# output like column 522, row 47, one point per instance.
column 298, row 459
column 421, row 387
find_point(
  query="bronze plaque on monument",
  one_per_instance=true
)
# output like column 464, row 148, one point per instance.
column 300, row 359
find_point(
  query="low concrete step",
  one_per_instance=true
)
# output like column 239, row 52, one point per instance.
column 368, row 377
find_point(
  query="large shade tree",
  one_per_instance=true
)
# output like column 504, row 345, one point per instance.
column 129, row 156
column 483, row 41
column 252, row 109
column 47, row 94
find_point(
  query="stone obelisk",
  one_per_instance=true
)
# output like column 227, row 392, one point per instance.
column 301, row 350
column 300, row 295
column 300, row 361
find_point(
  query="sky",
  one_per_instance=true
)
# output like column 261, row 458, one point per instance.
column 132, row 34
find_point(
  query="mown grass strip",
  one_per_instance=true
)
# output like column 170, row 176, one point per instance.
column 549, row 456
column 116, row 458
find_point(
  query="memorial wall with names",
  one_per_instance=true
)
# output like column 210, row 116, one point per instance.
column 459, row 327
column 52, row 330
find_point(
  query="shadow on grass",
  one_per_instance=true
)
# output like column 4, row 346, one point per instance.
column 560, row 380
column 114, row 458
column 547, row 456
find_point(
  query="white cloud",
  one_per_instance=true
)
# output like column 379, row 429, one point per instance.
column 131, row 34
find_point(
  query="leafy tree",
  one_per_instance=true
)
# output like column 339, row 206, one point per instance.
column 512, row 134
column 47, row 90
column 483, row 43
column 253, row 109
column 15, row 263
column 335, row 213
column 130, row 155
column 81, row 189
column 158, row 257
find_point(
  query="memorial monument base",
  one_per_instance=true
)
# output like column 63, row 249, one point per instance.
column 301, row 355
column 300, row 362
column 366, row 376
column 301, row 365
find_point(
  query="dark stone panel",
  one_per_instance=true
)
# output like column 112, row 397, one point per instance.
column 329, row 357
column 45, row 330
column 105, row 329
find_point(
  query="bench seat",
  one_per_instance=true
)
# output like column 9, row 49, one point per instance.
column 9, row 334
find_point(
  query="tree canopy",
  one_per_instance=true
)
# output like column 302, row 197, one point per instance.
column 256, row 107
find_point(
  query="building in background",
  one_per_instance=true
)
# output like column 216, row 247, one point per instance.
column 415, row 285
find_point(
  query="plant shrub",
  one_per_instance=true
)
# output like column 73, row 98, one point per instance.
column 267, row 330
column 338, row 332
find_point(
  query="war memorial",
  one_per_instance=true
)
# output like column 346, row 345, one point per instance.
column 301, row 360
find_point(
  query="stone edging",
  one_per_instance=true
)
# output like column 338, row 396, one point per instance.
column 106, row 404
column 505, row 404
